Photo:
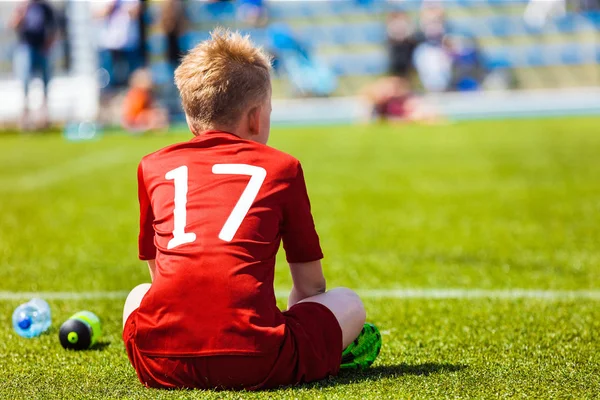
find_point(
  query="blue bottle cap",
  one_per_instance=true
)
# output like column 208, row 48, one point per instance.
column 25, row 323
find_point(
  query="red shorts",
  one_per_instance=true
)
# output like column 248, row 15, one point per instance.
column 311, row 350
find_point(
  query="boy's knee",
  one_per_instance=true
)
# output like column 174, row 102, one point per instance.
column 353, row 301
column 134, row 298
column 138, row 292
column 142, row 287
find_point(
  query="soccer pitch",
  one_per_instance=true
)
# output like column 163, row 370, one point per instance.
column 475, row 246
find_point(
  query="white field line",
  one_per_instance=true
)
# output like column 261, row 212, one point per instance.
column 59, row 173
column 399, row 294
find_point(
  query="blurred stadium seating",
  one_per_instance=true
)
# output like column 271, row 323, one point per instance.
column 349, row 38
column 343, row 39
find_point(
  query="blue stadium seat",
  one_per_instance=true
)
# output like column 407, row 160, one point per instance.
column 303, row 9
column 497, row 58
column 469, row 26
column 501, row 25
column 374, row 32
column 161, row 73
column 344, row 8
column 566, row 24
column 532, row 30
column 372, row 63
column 312, row 35
column 570, row 54
column 194, row 12
column 156, row 44
column 377, row 64
column 258, row 35
column 342, row 34
column 219, row 12
column 402, row 6
column 191, row 39
column 594, row 18
column 286, row 10
column 535, row 56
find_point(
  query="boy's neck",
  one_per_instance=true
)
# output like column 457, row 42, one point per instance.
column 236, row 132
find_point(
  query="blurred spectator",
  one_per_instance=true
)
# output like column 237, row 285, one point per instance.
column 539, row 11
column 433, row 23
column 431, row 59
column 308, row 76
column 140, row 111
column 390, row 99
column 467, row 66
column 35, row 24
column 589, row 5
column 402, row 41
column 119, row 39
column 173, row 23
column 253, row 12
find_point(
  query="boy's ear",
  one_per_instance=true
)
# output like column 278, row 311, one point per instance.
column 254, row 120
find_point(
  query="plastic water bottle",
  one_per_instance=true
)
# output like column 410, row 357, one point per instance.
column 32, row 318
column 82, row 130
column 81, row 331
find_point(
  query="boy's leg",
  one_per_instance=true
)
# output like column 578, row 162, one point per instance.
column 347, row 308
column 134, row 299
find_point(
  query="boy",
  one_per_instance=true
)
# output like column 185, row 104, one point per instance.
column 213, row 213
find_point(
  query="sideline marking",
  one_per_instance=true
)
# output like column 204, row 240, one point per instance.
column 50, row 176
column 365, row 293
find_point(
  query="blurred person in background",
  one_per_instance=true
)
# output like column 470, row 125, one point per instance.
column 468, row 70
column 140, row 111
column 253, row 12
column 119, row 39
column 35, row 24
column 173, row 23
column 308, row 75
column 431, row 58
column 539, row 11
column 390, row 99
column 402, row 39
column 588, row 5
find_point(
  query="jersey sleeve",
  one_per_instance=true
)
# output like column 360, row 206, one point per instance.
column 147, row 249
column 300, row 238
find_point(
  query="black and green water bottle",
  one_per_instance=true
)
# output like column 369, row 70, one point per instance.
column 81, row 331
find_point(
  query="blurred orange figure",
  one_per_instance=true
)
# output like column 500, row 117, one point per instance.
column 140, row 113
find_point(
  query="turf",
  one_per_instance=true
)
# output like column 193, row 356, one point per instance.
column 481, row 205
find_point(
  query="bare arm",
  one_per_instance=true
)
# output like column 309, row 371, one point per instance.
column 152, row 268
column 308, row 281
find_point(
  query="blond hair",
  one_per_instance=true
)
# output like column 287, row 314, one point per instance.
column 221, row 78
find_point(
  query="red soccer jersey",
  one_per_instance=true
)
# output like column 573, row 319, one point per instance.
column 213, row 212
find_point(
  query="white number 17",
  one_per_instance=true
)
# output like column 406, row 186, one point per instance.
column 180, row 181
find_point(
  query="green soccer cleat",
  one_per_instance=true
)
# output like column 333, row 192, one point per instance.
column 364, row 350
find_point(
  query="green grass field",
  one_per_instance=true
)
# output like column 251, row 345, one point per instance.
column 480, row 207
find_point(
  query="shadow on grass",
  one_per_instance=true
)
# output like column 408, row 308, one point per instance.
column 386, row 371
column 100, row 346
column 348, row 377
